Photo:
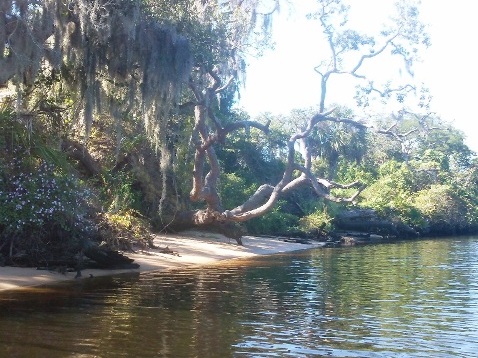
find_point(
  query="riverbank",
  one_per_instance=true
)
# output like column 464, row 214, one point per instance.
column 187, row 249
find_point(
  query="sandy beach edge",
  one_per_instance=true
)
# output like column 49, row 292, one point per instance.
column 190, row 248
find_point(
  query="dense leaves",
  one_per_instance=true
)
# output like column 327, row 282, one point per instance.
column 44, row 209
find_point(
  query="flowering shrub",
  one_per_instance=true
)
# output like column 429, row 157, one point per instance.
column 40, row 205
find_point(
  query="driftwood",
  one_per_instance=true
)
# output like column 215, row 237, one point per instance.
column 368, row 221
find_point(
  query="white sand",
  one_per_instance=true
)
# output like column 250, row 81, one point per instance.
column 193, row 248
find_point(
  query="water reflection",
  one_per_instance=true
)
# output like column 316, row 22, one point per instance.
column 413, row 299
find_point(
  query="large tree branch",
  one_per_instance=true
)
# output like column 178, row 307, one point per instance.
column 223, row 87
column 257, row 204
column 205, row 188
column 260, row 196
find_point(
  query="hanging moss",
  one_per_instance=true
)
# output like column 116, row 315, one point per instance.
column 103, row 42
column 119, row 61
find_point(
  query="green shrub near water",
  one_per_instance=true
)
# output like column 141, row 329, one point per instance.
column 430, row 203
column 44, row 210
column 442, row 209
column 275, row 222
column 321, row 217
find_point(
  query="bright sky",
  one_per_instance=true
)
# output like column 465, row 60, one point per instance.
column 284, row 78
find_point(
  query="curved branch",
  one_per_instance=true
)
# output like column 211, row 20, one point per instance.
column 223, row 87
column 371, row 55
column 246, row 124
column 216, row 85
column 266, row 196
column 275, row 192
column 256, row 199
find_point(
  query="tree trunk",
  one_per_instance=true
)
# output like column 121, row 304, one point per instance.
column 79, row 152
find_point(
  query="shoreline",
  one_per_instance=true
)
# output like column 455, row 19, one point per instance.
column 190, row 249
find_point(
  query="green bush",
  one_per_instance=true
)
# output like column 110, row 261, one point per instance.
column 391, row 194
column 442, row 209
column 319, row 219
column 120, row 191
column 234, row 190
column 41, row 206
column 275, row 222
column 349, row 172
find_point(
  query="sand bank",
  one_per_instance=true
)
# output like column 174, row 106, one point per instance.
column 192, row 248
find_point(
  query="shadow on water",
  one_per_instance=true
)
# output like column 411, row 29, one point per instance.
column 411, row 299
column 30, row 299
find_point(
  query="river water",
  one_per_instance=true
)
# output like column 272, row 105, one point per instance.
column 408, row 299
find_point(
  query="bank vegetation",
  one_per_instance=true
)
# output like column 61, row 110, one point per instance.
column 119, row 117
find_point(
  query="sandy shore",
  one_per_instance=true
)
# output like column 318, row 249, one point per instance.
column 192, row 248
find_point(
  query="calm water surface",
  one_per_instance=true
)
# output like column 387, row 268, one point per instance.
column 411, row 299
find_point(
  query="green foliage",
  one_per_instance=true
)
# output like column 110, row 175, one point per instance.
column 446, row 147
column 422, row 194
column 120, row 191
column 41, row 206
column 399, row 170
column 391, row 193
column 252, row 155
column 12, row 132
column 234, row 190
column 126, row 228
column 45, row 209
column 275, row 222
column 464, row 185
column 349, row 172
column 320, row 218
column 441, row 209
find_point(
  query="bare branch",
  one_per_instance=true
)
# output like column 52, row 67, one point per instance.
column 216, row 81
column 247, row 124
column 388, row 91
column 398, row 136
column 227, row 84
column 371, row 55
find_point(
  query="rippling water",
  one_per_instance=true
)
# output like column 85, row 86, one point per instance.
column 411, row 299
